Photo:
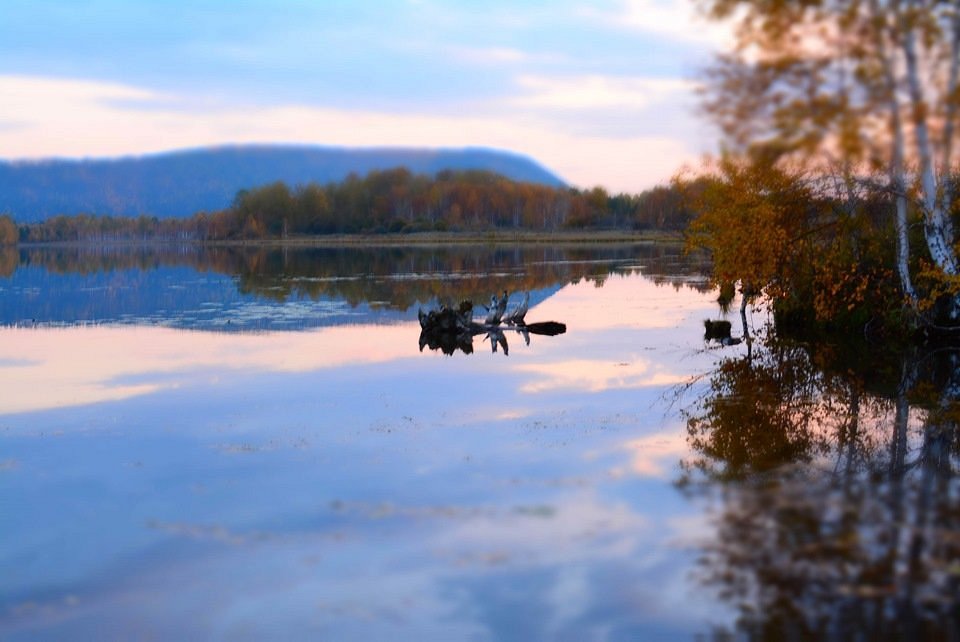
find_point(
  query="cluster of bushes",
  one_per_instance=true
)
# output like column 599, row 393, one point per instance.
column 824, row 258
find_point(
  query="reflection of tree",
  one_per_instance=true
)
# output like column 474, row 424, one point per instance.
column 760, row 414
column 449, row 342
column 9, row 260
column 388, row 276
column 838, row 512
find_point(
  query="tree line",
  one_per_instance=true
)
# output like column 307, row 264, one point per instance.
column 387, row 201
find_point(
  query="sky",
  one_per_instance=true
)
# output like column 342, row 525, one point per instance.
column 601, row 93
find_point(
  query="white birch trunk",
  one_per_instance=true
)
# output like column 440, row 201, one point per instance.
column 950, row 119
column 928, row 180
column 934, row 228
column 897, row 177
column 898, row 183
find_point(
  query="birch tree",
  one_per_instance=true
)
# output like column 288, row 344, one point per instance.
column 853, row 88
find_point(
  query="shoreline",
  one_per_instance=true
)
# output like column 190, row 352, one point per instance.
column 499, row 237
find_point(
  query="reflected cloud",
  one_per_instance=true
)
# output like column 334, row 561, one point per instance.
column 620, row 549
column 18, row 363
column 595, row 376
column 436, row 500
column 553, row 533
column 508, row 415
column 60, row 367
column 652, row 455
column 622, row 301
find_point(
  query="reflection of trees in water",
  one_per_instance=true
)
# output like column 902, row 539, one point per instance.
column 838, row 511
column 391, row 276
column 9, row 261
column 449, row 341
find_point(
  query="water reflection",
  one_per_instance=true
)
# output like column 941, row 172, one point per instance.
column 283, row 288
column 335, row 483
column 72, row 366
column 837, row 507
column 453, row 341
column 55, row 367
column 451, row 329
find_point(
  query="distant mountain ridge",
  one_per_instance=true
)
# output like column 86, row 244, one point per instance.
column 181, row 183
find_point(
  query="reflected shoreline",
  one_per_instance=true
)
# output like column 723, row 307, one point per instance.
column 276, row 288
column 835, row 495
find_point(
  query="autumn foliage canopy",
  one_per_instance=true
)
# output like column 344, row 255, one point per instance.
column 837, row 179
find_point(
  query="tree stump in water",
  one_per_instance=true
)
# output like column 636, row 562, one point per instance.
column 450, row 329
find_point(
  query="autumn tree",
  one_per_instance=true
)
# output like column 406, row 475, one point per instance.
column 753, row 221
column 9, row 234
column 852, row 89
column 265, row 211
column 312, row 210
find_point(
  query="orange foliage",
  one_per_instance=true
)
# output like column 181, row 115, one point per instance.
column 8, row 231
column 751, row 220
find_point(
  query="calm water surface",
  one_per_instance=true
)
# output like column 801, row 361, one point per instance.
column 251, row 444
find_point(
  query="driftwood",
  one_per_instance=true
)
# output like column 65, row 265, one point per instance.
column 451, row 329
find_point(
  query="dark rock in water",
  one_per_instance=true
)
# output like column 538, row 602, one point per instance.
column 718, row 330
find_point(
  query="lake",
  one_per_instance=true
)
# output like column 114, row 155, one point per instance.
column 255, row 443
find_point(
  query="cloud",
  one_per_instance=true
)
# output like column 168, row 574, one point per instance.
column 38, row 98
column 490, row 55
column 677, row 21
column 595, row 91
column 75, row 118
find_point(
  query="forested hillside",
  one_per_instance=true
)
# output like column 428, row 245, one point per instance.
column 180, row 184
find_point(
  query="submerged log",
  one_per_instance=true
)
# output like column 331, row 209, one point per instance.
column 450, row 329
column 546, row 328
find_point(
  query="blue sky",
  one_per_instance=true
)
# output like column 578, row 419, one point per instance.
column 601, row 93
